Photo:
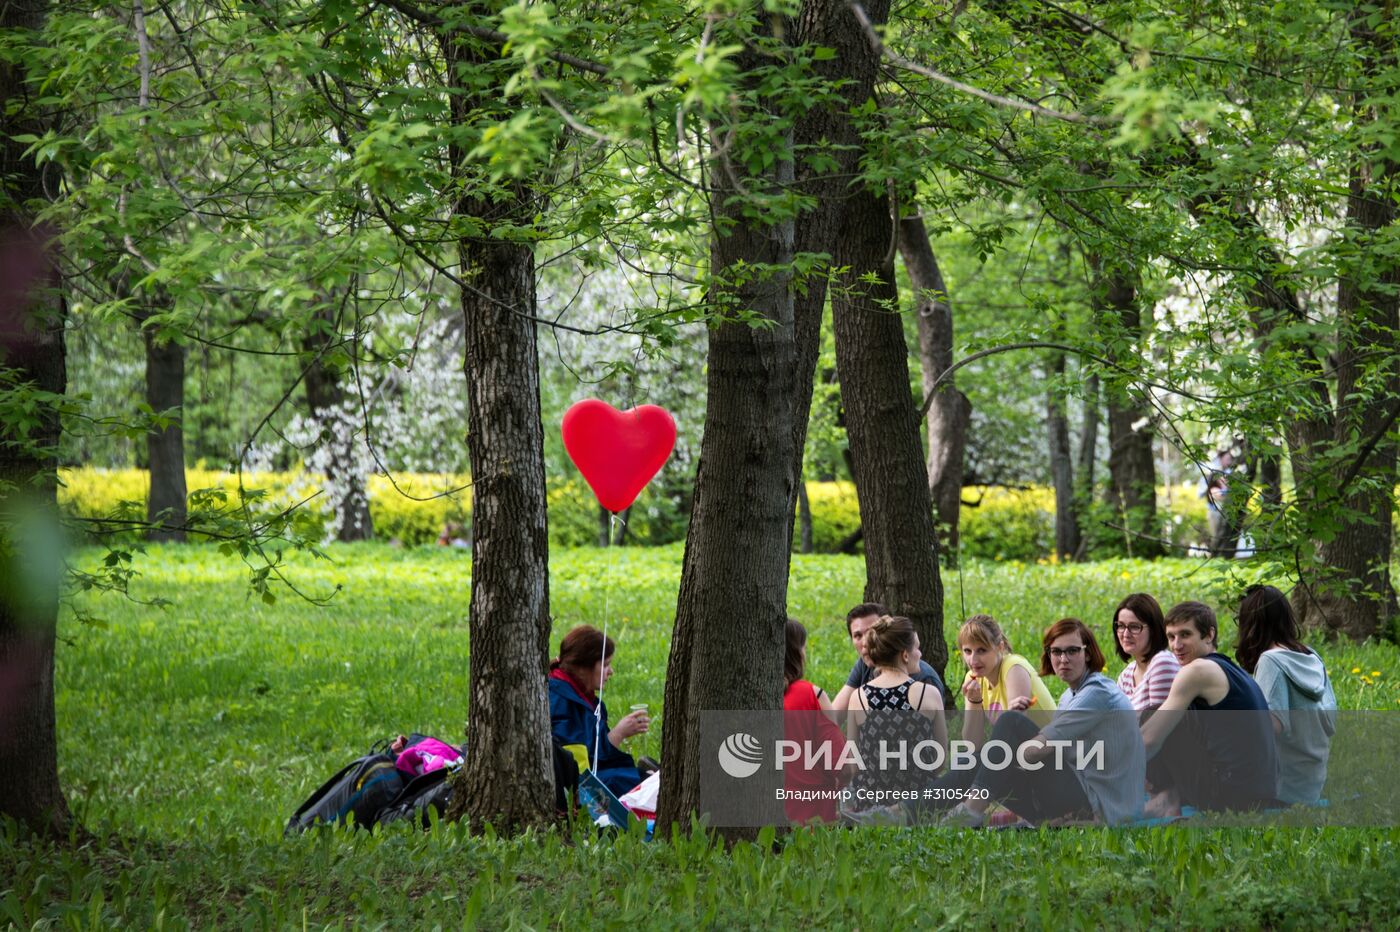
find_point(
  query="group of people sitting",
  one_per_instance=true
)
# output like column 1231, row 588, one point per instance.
column 1164, row 740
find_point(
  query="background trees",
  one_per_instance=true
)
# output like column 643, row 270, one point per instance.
column 360, row 237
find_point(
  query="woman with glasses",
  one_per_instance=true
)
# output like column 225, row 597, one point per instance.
column 1044, row 781
column 1140, row 638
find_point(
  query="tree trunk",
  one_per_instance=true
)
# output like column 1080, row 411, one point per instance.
column 951, row 411
column 728, row 640
column 831, row 130
column 604, row 527
column 1270, row 481
column 1354, row 594
column 325, row 396
column 165, row 449
column 901, row 545
column 1132, row 470
column 1061, row 466
column 31, row 342
column 804, row 517
column 1088, row 462
column 508, row 726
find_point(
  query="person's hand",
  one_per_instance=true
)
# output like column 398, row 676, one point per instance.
column 399, row 744
column 1020, row 703
column 633, row 723
column 972, row 690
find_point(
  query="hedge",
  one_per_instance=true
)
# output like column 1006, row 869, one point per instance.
column 103, row 493
column 996, row 523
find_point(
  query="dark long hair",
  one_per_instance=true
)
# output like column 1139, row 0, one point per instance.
column 1266, row 619
column 581, row 649
column 1149, row 613
column 793, row 665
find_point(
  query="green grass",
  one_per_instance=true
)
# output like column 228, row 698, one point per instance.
column 188, row 735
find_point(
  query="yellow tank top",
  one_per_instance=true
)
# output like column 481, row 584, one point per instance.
column 994, row 696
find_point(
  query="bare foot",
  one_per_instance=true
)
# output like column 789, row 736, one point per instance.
column 1163, row 805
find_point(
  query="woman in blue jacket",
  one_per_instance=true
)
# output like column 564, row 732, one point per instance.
column 584, row 664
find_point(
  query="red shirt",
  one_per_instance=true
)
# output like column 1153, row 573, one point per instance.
column 806, row 724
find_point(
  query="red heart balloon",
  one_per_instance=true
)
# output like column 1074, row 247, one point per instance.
column 618, row 452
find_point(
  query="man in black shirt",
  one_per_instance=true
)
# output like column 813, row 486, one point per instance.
column 858, row 621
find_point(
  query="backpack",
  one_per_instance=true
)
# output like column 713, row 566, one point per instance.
column 430, row 790
column 358, row 792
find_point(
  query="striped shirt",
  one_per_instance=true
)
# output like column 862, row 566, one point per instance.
column 1155, row 685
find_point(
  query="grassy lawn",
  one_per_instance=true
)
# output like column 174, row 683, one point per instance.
column 188, row 735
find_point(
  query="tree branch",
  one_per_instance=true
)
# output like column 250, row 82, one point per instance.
column 879, row 47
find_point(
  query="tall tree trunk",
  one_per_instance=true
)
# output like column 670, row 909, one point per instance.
column 901, row 545
column 604, row 527
column 1132, row 470
column 1088, row 461
column 1270, row 481
column 31, row 342
column 165, row 448
column 326, row 398
column 1061, row 466
column 1354, row 595
column 830, row 129
column 727, row 643
column 734, row 574
column 508, row 720
column 951, row 411
column 804, row 517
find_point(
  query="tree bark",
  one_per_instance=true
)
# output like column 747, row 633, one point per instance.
column 882, row 422
column 1132, row 470
column 1088, row 463
column 31, row 331
column 728, row 639
column 508, row 725
column 1354, row 595
column 804, row 517
column 1061, row 466
column 604, row 527
column 951, row 411
column 832, row 130
column 165, row 448
column 325, row 397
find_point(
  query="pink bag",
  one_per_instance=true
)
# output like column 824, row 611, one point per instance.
column 426, row 756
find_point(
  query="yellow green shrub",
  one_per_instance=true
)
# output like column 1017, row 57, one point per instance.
column 835, row 514
column 996, row 523
column 101, row 493
column 411, row 521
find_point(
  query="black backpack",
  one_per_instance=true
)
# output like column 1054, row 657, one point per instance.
column 432, row 790
column 357, row 793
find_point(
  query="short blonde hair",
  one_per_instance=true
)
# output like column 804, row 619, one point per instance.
column 983, row 630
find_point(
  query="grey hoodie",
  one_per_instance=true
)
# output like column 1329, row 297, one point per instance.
column 1300, row 696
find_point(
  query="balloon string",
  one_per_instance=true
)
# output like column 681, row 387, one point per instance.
column 614, row 520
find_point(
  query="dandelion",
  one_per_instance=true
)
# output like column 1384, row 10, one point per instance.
column 1375, row 673
column 1125, row 575
column 1355, row 669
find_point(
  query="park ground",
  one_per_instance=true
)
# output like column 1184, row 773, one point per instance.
column 189, row 733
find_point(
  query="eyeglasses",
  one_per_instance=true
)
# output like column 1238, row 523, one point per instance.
column 1058, row 652
column 1132, row 627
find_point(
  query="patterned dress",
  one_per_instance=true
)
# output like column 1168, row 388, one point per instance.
column 892, row 718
